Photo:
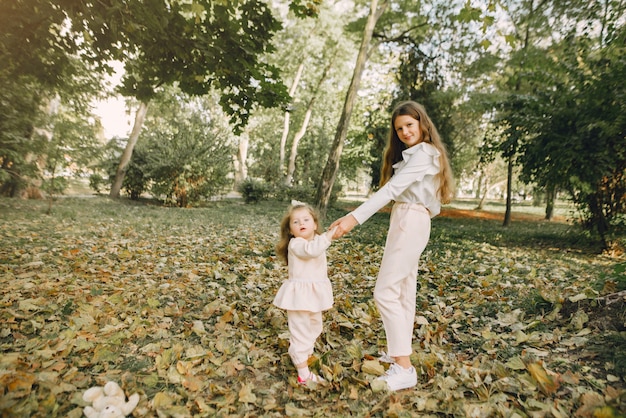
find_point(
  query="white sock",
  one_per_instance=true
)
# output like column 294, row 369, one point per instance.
column 304, row 372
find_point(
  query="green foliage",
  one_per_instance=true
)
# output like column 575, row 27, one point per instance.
column 136, row 181
column 580, row 148
column 184, row 153
column 365, row 143
column 96, row 182
column 188, row 166
column 187, row 155
column 70, row 145
column 34, row 47
column 216, row 44
column 612, row 281
column 253, row 191
column 44, row 130
column 54, row 185
column 298, row 192
column 558, row 108
column 19, row 114
column 305, row 8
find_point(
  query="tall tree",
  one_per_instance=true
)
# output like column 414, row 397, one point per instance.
column 214, row 45
column 120, row 173
column 309, row 52
column 291, row 166
column 199, row 44
column 530, row 25
column 329, row 174
column 41, row 64
column 580, row 147
column 287, row 117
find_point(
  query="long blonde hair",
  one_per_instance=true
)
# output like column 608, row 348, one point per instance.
column 394, row 148
column 282, row 248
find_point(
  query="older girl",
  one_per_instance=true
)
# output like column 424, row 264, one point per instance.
column 416, row 176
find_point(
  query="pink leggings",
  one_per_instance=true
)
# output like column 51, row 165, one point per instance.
column 304, row 327
column 396, row 285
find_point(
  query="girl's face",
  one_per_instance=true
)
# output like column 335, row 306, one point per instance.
column 408, row 130
column 302, row 224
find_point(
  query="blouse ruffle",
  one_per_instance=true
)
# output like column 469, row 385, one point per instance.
column 414, row 181
column 422, row 165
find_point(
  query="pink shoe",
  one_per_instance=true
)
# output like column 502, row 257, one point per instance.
column 312, row 378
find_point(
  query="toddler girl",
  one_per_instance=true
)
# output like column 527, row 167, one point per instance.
column 307, row 291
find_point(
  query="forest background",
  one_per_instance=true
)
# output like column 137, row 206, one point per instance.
column 290, row 99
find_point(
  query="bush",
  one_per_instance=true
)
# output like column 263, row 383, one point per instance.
column 303, row 193
column 96, row 182
column 253, row 191
column 299, row 192
column 135, row 181
column 54, row 185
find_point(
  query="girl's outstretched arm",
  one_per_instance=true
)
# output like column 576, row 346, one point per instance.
column 330, row 233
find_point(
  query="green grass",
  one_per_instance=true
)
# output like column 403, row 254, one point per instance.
column 562, row 208
column 558, row 236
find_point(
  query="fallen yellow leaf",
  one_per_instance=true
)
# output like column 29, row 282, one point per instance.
column 547, row 381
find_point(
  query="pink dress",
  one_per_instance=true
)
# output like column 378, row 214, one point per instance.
column 307, row 287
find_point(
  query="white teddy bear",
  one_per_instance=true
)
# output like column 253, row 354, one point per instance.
column 109, row 401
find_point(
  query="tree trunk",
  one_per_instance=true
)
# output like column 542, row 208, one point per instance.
column 484, row 196
column 550, row 199
column 509, row 186
column 283, row 139
column 479, row 186
column 305, row 123
column 329, row 174
column 241, row 172
column 140, row 116
column 294, row 145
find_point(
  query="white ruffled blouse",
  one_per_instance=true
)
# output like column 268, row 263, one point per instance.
column 307, row 287
column 414, row 181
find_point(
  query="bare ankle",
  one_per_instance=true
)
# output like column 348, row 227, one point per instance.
column 403, row 361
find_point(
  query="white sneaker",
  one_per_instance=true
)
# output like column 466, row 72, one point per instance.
column 397, row 377
column 385, row 358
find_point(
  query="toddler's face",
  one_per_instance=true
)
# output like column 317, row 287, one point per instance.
column 302, row 224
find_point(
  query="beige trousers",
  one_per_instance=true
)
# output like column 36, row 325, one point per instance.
column 396, row 285
column 304, row 327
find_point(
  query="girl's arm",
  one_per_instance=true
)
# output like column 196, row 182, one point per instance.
column 425, row 161
column 310, row 249
column 330, row 234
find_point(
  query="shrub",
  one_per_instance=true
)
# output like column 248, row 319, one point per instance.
column 135, row 181
column 303, row 193
column 96, row 182
column 253, row 191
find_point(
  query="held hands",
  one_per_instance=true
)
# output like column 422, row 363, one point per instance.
column 343, row 225
column 330, row 233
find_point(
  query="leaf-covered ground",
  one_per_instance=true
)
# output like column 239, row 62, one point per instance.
column 175, row 304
